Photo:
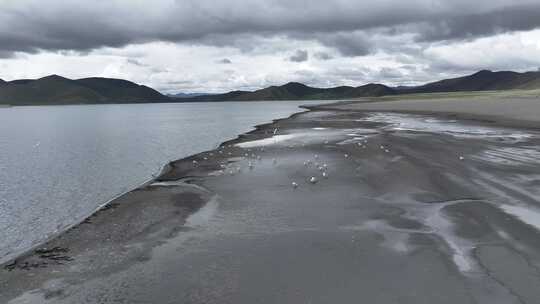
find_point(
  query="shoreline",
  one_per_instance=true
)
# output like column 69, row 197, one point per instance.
column 398, row 213
column 331, row 106
column 165, row 169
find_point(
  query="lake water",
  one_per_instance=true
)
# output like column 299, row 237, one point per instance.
column 59, row 163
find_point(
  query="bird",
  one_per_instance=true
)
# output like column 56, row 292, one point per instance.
column 294, row 185
column 325, row 175
column 313, row 180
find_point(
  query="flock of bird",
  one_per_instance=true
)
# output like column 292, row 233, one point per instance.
column 250, row 155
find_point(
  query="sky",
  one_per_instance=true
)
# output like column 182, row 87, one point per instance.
column 214, row 46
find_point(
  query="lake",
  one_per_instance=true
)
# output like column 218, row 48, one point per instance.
column 58, row 164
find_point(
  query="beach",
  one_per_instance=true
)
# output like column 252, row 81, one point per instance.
column 422, row 201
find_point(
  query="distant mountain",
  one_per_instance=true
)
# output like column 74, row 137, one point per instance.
column 299, row 91
column 55, row 89
column 188, row 95
column 481, row 81
column 59, row 90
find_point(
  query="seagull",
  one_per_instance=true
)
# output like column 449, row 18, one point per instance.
column 461, row 158
column 346, row 155
column 313, row 180
column 325, row 175
column 294, row 185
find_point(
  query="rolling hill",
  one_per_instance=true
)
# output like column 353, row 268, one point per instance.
column 481, row 81
column 299, row 91
column 55, row 89
column 59, row 90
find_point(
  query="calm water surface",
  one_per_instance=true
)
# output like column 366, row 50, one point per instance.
column 59, row 163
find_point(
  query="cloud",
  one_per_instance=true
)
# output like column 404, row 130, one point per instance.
column 351, row 42
column 299, row 56
column 30, row 26
column 323, row 56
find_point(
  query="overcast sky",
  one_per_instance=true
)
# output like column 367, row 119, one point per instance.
column 222, row 45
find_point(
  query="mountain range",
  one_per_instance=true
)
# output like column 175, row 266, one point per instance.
column 55, row 89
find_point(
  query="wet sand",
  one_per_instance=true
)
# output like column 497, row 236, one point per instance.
column 508, row 108
column 403, row 209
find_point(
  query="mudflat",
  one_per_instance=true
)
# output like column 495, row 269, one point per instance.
column 327, row 206
column 509, row 108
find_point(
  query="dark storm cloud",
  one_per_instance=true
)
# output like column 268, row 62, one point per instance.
column 299, row 56
column 517, row 18
column 30, row 25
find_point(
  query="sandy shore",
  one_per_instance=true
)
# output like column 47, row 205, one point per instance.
column 515, row 109
column 402, row 209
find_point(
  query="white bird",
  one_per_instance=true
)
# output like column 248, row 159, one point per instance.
column 325, row 175
column 346, row 155
column 294, row 185
column 313, row 180
column 461, row 158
